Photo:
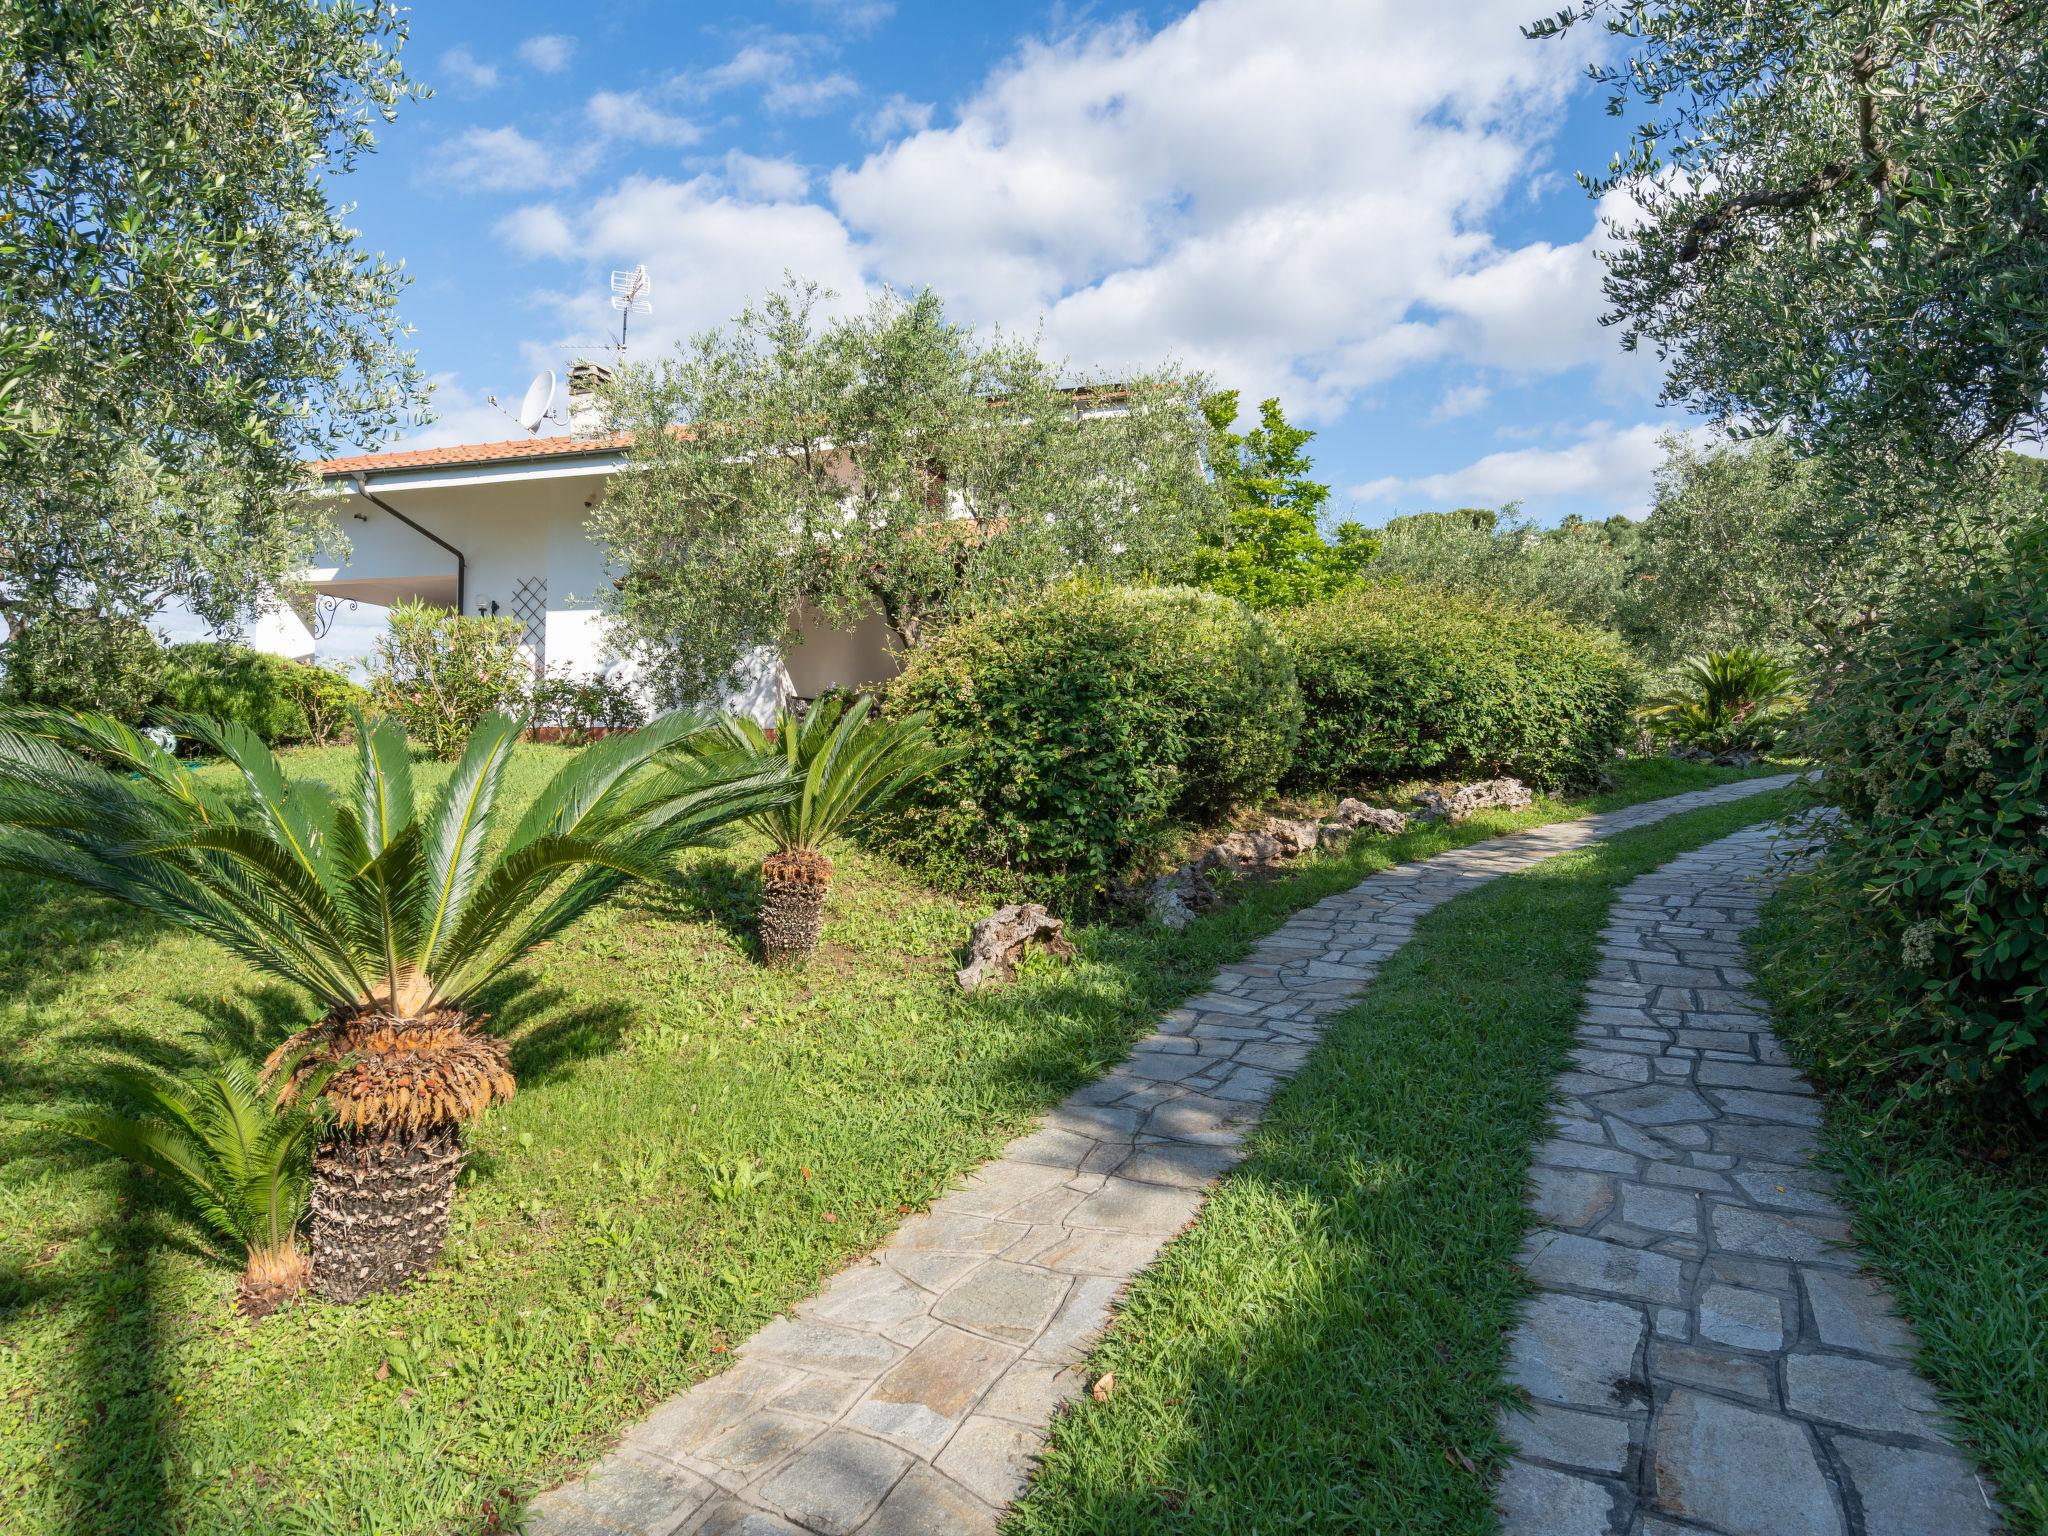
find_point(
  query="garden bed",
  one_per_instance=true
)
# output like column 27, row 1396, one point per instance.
column 695, row 1143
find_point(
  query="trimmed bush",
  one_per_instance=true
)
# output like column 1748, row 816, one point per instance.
column 1092, row 721
column 282, row 701
column 1415, row 683
column 439, row 673
column 83, row 661
column 1934, row 737
column 576, row 710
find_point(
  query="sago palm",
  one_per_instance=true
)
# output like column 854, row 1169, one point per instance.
column 390, row 918
column 1726, row 700
column 236, row 1150
column 846, row 769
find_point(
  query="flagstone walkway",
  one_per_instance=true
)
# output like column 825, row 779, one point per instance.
column 1704, row 1355
column 913, row 1392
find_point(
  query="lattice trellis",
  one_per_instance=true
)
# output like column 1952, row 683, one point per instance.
column 530, row 608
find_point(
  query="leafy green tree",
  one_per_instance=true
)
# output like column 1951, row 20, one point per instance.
column 889, row 461
column 1272, row 553
column 1845, row 216
column 1748, row 544
column 185, row 315
column 1578, row 569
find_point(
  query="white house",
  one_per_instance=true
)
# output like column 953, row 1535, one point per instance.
column 501, row 528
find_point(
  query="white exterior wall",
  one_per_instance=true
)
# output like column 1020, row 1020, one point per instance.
column 514, row 522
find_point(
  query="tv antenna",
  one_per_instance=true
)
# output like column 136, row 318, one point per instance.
column 535, row 408
column 629, row 298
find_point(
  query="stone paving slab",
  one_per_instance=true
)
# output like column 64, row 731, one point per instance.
column 1702, row 1353
column 913, row 1392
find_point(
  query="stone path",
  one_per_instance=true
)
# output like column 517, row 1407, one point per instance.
column 913, row 1392
column 1702, row 1354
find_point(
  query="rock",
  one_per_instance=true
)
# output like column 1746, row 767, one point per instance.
column 1241, row 851
column 1332, row 834
column 1461, row 802
column 1737, row 759
column 1689, row 754
column 999, row 941
column 1293, row 838
column 1356, row 813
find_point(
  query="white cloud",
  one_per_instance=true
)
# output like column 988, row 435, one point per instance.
column 1460, row 400
column 1281, row 195
column 775, row 181
column 1610, row 466
column 506, row 160
column 630, row 115
column 461, row 416
column 781, row 66
column 468, row 73
column 709, row 254
column 549, row 52
column 899, row 114
column 808, row 97
column 1536, row 309
column 855, row 16
column 536, row 230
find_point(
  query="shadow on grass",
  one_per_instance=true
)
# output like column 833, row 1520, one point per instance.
column 547, row 1028
column 53, row 934
column 716, row 889
column 114, row 1444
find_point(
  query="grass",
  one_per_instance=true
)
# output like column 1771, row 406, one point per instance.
column 1322, row 1352
column 696, row 1142
column 1958, row 1230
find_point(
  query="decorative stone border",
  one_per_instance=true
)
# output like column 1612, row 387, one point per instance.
column 1703, row 1347
column 913, row 1392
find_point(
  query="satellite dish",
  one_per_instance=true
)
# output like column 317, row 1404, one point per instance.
column 540, row 394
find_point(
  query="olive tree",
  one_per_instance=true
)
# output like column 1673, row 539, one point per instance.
column 1844, row 217
column 185, row 314
column 888, row 461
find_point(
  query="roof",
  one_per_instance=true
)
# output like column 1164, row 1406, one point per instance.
column 515, row 450
column 528, row 449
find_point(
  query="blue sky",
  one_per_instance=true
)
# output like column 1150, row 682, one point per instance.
column 1364, row 207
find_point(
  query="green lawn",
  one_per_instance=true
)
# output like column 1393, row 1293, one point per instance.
column 1958, row 1229
column 594, row 1266
column 1322, row 1351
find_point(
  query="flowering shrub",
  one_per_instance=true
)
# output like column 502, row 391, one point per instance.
column 439, row 673
column 581, row 707
column 1934, row 736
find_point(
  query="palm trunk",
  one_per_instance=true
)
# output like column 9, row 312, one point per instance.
column 274, row 1276
column 384, row 1174
column 793, row 886
column 380, row 1208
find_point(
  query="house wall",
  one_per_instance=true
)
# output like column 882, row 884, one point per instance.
column 513, row 526
column 828, row 657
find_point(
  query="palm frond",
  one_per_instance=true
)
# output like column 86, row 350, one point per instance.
column 587, row 780
column 849, row 768
column 455, row 839
column 383, row 781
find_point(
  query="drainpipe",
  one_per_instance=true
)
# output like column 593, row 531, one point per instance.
column 461, row 565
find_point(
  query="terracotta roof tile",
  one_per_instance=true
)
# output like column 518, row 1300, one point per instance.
column 518, row 448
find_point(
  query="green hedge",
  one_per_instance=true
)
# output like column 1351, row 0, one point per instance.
column 1934, row 738
column 1412, row 683
column 1095, row 721
column 83, row 661
column 282, row 701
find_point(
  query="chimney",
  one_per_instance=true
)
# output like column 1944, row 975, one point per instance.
column 587, row 383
